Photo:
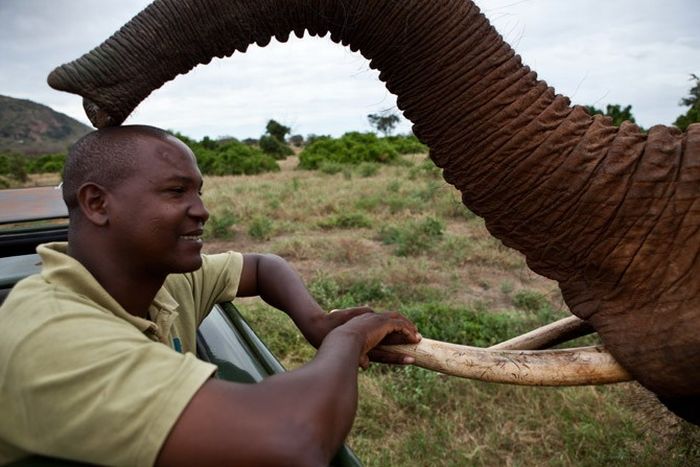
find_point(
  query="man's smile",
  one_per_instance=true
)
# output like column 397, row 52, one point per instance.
column 194, row 236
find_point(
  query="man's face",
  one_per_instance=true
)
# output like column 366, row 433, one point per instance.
column 157, row 215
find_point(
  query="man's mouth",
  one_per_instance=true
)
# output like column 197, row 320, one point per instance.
column 192, row 236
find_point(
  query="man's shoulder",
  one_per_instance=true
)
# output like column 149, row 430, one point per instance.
column 33, row 302
column 213, row 265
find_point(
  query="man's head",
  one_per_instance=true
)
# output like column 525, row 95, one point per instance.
column 134, row 193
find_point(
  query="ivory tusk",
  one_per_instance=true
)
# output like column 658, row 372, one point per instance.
column 548, row 336
column 561, row 367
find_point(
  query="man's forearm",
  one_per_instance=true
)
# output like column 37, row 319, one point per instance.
column 326, row 388
column 281, row 286
column 300, row 417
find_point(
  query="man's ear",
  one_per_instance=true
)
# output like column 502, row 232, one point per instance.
column 92, row 199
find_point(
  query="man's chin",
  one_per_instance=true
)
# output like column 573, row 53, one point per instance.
column 187, row 266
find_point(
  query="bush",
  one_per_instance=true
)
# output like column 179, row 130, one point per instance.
column 13, row 166
column 471, row 326
column 219, row 225
column 233, row 158
column 330, row 293
column 413, row 238
column 296, row 140
column 352, row 148
column 52, row 163
column 467, row 326
column 274, row 147
column 426, row 169
column 331, row 168
column 530, row 300
column 407, row 144
column 368, row 169
column 260, row 228
column 228, row 156
column 347, row 220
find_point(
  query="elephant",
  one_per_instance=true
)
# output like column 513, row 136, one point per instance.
column 611, row 213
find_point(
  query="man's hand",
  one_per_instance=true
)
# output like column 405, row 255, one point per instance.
column 373, row 329
column 321, row 325
column 276, row 282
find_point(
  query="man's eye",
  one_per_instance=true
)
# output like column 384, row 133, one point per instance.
column 177, row 189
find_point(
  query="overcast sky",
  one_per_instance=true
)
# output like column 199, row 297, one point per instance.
column 638, row 52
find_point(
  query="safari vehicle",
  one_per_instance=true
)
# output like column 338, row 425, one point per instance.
column 30, row 216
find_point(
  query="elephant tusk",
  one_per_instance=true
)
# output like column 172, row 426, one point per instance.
column 548, row 336
column 561, row 367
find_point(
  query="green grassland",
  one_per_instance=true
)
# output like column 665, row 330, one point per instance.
column 398, row 238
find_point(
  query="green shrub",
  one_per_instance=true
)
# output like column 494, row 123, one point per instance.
column 229, row 157
column 346, row 220
column 47, row 163
column 220, row 225
column 430, row 191
column 330, row 293
column 469, row 325
column 274, row 147
column 414, row 237
column 530, row 300
column 426, row 169
column 260, row 228
column 331, row 168
column 368, row 169
column 351, row 148
column 406, row 144
column 13, row 166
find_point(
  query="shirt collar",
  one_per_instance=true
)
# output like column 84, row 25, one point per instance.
column 61, row 269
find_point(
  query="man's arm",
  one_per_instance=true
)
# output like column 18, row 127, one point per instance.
column 276, row 282
column 295, row 418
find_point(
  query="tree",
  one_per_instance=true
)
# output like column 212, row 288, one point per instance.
column 208, row 143
column 277, row 130
column 384, row 122
column 614, row 111
column 273, row 143
column 274, row 147
column 297, row 140
column 693, row 113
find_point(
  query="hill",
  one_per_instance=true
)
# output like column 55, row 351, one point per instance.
column 30, row 128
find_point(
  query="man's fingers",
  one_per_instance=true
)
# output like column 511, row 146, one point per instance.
column 383, row 356
column 403, row 336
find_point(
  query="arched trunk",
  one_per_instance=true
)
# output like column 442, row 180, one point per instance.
column 611, row 213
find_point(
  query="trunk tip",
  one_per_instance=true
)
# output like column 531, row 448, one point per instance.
column 99, row 117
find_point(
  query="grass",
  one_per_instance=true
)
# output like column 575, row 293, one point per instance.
column 400, row 239
column 413, row 237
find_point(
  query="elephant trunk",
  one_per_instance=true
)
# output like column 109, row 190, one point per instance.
column 611, row 213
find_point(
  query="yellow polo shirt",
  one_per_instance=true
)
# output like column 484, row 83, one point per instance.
column 82, row 379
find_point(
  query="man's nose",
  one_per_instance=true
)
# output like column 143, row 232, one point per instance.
column 199, row 210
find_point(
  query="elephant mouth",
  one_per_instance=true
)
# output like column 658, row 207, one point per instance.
column 524, row 360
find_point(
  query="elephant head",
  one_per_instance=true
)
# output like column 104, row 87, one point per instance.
column 611, row 213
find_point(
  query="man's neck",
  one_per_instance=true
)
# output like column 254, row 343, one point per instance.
column 133, row 289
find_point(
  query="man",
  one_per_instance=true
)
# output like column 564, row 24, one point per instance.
column 84, row 371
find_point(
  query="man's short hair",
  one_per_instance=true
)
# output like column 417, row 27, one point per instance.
column 105, row 157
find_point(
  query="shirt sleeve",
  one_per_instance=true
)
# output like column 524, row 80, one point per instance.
column 216, row 281
column 95, row 389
